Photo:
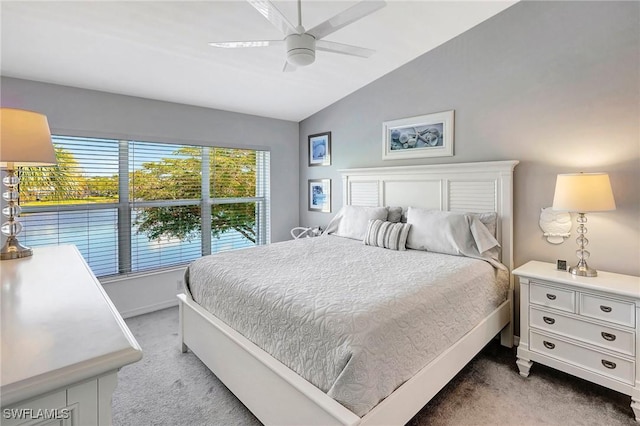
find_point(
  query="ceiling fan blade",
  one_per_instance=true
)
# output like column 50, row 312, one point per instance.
column 273, row 15
column 342, row 19
column 288, row 67
column 241, row 44
column 345, row 49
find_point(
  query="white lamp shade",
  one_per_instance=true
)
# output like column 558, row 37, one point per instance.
column 583, row 192
column 25, row 138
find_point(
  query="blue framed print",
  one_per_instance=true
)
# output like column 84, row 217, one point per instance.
column 320, row 149
column 320, row 195
column 418, row 137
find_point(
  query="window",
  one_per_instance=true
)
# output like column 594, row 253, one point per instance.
column 132, row 206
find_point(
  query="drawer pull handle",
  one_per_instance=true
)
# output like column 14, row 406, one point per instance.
column 609, row 364
column 550, row 345
column 606, row 309
column 552, row 321
column 551, row 296
column 608, row 336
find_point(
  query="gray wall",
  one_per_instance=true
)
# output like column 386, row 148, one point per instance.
column 80, row 112
column 555, row 85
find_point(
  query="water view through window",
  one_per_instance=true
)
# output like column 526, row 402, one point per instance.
column 135, row 206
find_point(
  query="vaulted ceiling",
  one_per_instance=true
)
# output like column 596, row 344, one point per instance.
column 159, row 49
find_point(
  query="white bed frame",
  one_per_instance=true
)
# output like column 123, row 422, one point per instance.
column 278, row 396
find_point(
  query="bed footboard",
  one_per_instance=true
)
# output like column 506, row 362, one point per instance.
column 277, row 395
column 274, row 393
column 408, row 399
column 183, row 346
column 506, row 335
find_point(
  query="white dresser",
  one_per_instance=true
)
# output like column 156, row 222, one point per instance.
column 585, row 326
column 62, row 341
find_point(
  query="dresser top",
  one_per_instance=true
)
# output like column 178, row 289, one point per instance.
column 622, row 285
column 58, row 324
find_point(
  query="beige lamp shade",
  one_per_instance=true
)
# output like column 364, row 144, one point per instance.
column 25, row 139
column 583, row 192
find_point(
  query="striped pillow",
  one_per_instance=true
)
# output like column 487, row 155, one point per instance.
column 387, row 234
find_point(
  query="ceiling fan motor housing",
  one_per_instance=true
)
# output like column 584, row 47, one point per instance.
column 301, row 49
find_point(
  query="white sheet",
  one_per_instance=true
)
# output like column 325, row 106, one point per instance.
column 355, row 320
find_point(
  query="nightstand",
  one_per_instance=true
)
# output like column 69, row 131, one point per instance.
column 585, row 326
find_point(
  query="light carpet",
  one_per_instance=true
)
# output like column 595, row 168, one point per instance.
column 168, row 387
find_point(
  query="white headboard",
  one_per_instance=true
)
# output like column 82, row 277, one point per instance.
column 465, row 187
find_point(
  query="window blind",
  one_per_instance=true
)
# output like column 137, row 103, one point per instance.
column 75, row 202
column 94, row 232
column 165, row 191
column 134, row 206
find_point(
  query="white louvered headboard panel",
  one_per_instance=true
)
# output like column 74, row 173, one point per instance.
column 464, row 187
column 365, row 193
column 473, row 196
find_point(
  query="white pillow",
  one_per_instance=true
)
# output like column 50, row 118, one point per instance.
column 352, row 221
column 449, row 233
column 387, row 234
column 488, row 219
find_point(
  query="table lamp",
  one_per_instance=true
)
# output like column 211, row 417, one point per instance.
column 583, row 193
column 25, row 140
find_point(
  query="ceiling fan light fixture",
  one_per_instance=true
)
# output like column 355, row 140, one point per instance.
column 301, row 44
column 301, row 49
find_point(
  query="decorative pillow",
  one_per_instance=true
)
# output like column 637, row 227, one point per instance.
column 352, row 221
column 395, row 214
column 387, row 234
column 450, row 233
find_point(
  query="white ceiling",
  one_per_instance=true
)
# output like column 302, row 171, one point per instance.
column 159, row 50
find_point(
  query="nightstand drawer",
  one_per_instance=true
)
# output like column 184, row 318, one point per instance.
column 606, row 337
column 607, row 365
column 612, row 310
column 553, row 297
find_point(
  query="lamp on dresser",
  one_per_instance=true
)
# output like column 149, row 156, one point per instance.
column 25, row 140
column 582, row 193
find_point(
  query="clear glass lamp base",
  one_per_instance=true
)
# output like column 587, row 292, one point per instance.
column 12, row 249
column 583, row 270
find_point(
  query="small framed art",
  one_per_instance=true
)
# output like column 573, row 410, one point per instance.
column 561, row 265
column 320, row 149
column 320, row 195
column 418, row 137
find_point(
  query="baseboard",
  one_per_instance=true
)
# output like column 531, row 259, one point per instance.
column 144, row 293
column 149, row 308
column 516, row 340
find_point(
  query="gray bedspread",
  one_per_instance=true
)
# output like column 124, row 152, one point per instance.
column 355, row 320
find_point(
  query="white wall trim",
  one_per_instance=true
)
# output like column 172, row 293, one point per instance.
column 143, row 293
column 131, row 276
column 149, row 308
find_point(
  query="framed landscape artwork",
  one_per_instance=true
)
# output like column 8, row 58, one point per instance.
column 320, row 195
column 320, row 149
column 418, row 137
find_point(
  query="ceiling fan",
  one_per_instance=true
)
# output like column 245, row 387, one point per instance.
column 300, row 44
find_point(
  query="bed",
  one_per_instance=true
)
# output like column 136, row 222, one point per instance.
column 332, row 377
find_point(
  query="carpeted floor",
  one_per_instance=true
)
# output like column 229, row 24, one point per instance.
column 170, row 388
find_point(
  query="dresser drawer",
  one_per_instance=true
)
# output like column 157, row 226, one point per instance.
column 553, row 297
column 606, row 309
column 606, row 337
column 606, row 365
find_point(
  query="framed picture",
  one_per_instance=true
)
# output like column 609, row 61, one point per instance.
column 320, row 195
column 417, row 137
column 320, row 149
